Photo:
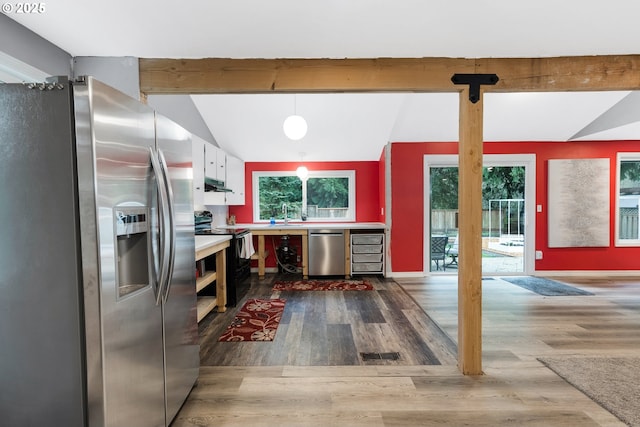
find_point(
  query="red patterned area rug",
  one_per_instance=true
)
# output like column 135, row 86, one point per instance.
column 322, row 285
column 257, row 320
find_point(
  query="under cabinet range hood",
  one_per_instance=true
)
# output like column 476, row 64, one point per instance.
column 211, row 184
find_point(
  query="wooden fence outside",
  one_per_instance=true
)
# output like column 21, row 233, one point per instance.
column 629, row 223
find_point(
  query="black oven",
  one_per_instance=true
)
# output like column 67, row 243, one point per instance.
column 238, row 268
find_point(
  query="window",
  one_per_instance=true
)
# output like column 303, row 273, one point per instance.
column 327, row 196
column 628, row 200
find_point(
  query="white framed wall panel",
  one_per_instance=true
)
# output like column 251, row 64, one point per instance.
column 579, row 203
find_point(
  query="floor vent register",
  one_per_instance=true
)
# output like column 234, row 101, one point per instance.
column 380, row 356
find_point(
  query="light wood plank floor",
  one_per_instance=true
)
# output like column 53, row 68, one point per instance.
column 254, row 387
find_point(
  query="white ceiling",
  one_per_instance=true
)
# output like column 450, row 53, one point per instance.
column 357, row 126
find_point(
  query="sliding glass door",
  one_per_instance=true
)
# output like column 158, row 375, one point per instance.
column 506, row 200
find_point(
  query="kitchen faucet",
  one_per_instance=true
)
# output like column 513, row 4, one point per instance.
column 284, row 211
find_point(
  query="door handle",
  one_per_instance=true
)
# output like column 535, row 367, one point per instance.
column 163, row 213
column 172, row 224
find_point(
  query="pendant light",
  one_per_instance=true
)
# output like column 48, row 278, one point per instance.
column 295, row 126
column 302, row 171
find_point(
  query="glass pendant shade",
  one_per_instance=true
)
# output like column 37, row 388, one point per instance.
column 302, row 172
column 295, row 127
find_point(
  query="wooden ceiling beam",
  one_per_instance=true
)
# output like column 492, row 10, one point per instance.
column 562, row 74
column 217, row 75
column 214, row 75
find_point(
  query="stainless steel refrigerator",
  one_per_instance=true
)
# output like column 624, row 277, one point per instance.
column 97, row 279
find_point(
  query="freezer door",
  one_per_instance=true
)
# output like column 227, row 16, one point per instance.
column 119, row 235
column 182, row 349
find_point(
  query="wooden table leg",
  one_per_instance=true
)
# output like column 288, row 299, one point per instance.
column 347, row 254
column 305, row 256
column 261, row 256
column 221, row 280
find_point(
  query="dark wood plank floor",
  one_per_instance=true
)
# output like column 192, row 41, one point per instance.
column 329, row 328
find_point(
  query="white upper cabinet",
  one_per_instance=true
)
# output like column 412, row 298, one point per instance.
column 215, row 162
column 197, row 146
column 235, row 180
column 213, row 170
column 221, row 164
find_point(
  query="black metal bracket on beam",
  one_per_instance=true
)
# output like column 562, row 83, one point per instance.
column 474, row 81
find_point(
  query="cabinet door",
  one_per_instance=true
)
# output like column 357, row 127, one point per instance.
column 198, row 170
column 210, row 156
column 235, row 180
column 221, row 165
column 211, row 171
column 215, row 160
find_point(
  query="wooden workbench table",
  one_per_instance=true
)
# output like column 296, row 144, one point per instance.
column 206, row 247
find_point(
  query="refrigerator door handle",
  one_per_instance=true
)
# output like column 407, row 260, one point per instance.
column 162, row 223
column 172, row 224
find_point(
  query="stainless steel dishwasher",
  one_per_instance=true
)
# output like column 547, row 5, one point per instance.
column 326, row 252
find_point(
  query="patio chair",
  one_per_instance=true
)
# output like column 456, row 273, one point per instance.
column 438, row 250
column 452, row 252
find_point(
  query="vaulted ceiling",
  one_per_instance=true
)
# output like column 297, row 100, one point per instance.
column 350, row 126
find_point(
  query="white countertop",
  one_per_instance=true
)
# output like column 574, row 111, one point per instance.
column 203, row 242
column 308, row 225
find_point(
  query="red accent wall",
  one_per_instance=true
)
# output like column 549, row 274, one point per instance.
column 367, row 189
column 368, row 200
column 407, row 177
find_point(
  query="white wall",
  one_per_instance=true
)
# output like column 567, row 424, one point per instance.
column 181, row 109
column 21, row 45
column 121, row 73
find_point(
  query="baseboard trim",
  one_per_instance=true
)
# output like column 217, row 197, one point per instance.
column 539, row 273
column 405, row 274
column 587, row 273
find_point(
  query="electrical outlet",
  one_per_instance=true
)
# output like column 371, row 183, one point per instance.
column 298, row 258
column 538, row 208
column 538, row 254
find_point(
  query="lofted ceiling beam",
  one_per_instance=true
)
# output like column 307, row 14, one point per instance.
column 217, row 75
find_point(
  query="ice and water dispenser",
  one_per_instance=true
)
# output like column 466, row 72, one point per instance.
column 132, row 232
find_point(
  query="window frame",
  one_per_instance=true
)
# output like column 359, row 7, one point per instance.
column 349, row 174
column 626, row 156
